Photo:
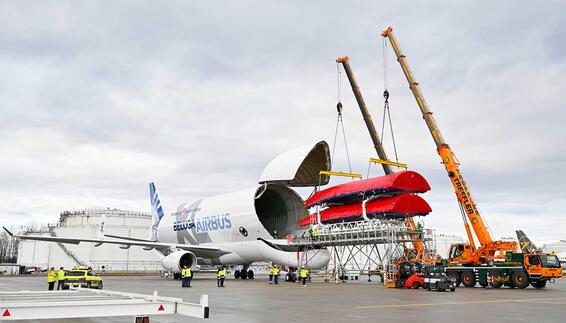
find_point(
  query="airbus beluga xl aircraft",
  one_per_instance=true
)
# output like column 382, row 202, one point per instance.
column 235, row 228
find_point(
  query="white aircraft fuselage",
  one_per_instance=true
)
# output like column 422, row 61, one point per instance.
column 231, row 222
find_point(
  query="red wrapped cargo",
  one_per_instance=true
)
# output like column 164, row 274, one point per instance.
column 399, row 206
column 402, row 182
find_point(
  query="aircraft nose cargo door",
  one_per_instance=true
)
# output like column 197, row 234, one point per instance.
column 278, row 207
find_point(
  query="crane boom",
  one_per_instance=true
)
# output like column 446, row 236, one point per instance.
column 367, row 117
column 463, row 194
column 466, row 254
column 466, row 262
column 409, row 222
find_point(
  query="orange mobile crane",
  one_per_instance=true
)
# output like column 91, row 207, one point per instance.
column 465, row 257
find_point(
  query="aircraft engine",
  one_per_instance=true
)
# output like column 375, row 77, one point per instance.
column 176, row 260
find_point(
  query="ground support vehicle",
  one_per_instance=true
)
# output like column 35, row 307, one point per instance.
column 435, row 278
column 82, row 277
column 517, row 270
column 409, row 275
column 414, row 281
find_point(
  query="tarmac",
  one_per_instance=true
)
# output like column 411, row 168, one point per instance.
column 352, row 301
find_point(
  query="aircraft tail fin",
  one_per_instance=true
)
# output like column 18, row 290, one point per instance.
column 525, row 243
column 156, row 210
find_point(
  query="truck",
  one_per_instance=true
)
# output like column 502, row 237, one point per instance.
column 435, row 278
column 494, row 262
column 517, row 270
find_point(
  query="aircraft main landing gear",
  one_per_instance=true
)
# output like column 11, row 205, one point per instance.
column 244, row 273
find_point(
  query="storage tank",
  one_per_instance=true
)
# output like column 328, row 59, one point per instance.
column 86, row 224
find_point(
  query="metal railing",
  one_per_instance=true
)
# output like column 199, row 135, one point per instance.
column 359, row 233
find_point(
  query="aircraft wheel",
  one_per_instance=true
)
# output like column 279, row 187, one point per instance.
column 452, row 289
column 520, row 279
column 250, row 274
column 236, row 274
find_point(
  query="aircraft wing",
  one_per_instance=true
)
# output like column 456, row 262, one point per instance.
column 199, row 251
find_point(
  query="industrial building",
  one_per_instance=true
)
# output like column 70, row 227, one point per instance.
column 443, row 241
column 555, row 247
column 86, row 224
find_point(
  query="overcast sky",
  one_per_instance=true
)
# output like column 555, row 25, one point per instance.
column 98, row 98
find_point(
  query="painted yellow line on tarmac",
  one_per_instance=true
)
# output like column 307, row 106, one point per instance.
column 532, row 300
column 543, row 302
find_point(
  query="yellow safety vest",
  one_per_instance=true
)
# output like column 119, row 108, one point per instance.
column 275, row 271
column 221, row 273
column 51, row 276
column 61, row 274
column 304, row 273
column 186, row 273
column 315, row 232
column 270, row 270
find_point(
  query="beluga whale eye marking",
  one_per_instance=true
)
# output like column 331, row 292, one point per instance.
column 243, row 231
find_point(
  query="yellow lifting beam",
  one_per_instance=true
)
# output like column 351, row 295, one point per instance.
column 343, row 174
column 388, row 162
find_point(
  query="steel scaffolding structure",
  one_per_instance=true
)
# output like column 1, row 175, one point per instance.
column 363, row 246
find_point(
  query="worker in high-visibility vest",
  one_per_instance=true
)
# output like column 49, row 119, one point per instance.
column 270, row 273
column 220, row 275
column 51, row 278
column 276, row 274
column 186, row 276
column 61, row 278
column 304, row 274
column 314, row 234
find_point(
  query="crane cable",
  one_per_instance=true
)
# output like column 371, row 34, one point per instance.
column 386, row 110
column 339, row 120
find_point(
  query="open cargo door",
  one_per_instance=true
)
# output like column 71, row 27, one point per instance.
column 278, row 207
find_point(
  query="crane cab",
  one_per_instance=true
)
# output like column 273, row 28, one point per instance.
column 460, row 253
column 541, row 267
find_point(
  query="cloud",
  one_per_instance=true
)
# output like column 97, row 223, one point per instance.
column 100, row 98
